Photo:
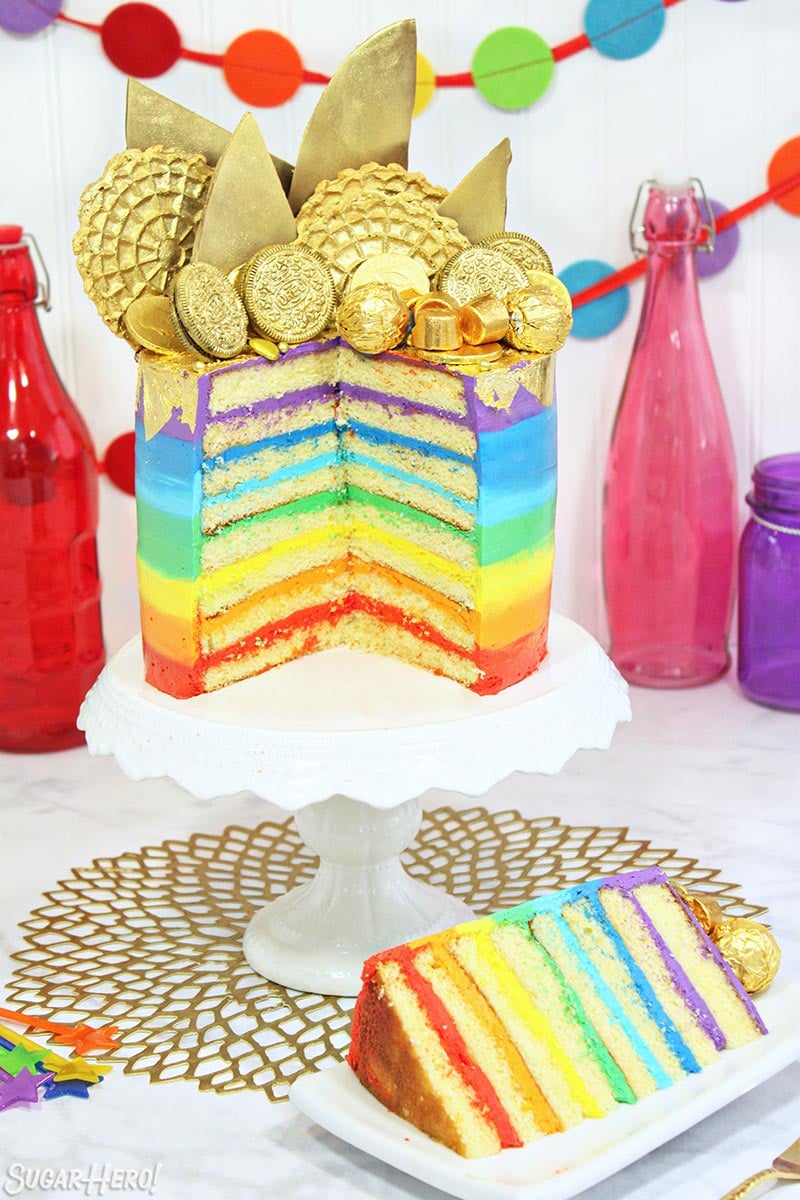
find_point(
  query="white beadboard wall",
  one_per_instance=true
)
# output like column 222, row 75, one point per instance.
column 715, row 97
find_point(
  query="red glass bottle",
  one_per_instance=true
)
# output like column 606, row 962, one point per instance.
column 51, row 644
column 670, row 511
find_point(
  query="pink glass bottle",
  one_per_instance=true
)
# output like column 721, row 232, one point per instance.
column 51, row 645
column 670, row 514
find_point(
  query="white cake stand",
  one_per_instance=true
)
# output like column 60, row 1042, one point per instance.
column 349, row 742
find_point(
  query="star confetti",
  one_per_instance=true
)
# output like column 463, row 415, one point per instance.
column 22, row 1088
column 75, row 1068
column 69, row 1087
column 17, row 1060
column 82, row 1037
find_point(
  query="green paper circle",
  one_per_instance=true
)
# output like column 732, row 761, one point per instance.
column 512, row 67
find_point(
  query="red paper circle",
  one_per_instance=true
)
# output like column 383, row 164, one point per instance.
column 785, row 162
column 262, row 68
column 119, row 463
column 141, row 40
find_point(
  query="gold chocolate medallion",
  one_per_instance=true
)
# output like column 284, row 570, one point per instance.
column 521, row 249
column 540, row 314
column 464, row 356
column 149, row 324
column 207, row 310
column 289, row 293
column 479, row 270
column 400, row 271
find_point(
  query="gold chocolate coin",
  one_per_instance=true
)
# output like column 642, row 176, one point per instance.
column 400, row 271
column 521, row 249
column 148, row 323
column 479, row 270
column 207, row 310
column 372, row 318
column 539, row 315
column 750, row 950
column 464, row 356
column 289, row 293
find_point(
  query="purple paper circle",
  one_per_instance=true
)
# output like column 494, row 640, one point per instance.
column 725, row 246
column 28, row 16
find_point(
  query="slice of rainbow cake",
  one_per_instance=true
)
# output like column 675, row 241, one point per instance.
column 329, row 498
column 502, row 1030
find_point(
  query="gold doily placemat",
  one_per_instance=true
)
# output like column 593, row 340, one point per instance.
column 151, row 941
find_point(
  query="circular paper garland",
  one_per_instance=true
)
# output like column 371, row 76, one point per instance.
column 511, row 68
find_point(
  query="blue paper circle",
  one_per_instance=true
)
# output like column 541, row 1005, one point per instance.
column 725, row 245
column 624, row 28
column 600, row 316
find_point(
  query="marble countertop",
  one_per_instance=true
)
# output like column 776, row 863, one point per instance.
column 703, row 771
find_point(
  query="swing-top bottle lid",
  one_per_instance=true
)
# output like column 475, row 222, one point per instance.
column 10, row 235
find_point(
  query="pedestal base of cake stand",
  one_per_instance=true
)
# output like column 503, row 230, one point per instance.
column 350, row 741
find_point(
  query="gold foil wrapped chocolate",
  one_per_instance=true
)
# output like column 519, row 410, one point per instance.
column 149, row 324
column 435, row 329
column 750, row 950
column 288, row 293
column 137, row 225
column 706, row 910
column 208, row 312
column 479, row 270
column 372, row 318
column 484, row 320
column 540, row 314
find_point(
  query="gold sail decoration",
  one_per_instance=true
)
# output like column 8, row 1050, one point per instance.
column 153, row 120
column 478, row 203
column 246, row 207
column 364, row 113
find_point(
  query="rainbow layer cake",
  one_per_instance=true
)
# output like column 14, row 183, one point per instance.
column 499, row 1031
column 328, row 498
column 346, row 432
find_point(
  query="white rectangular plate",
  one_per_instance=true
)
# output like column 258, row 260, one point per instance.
column 559, row 1166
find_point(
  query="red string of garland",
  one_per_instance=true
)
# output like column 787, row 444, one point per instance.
column 458, row 79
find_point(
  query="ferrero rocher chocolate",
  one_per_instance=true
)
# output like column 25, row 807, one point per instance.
column 148, row 322
column 435, row 330
column 289, row 293
column 403, row 273
column 521, row 249
column 484, row 320
column 207, row 310
column 479, row 270
column 137, row 226
column 540, row 315
column 705, row 909
column 372, row 318
column 750, row 950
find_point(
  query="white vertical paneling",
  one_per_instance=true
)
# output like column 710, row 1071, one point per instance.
column 716, row 96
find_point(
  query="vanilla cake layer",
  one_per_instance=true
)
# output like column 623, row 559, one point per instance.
column 592, row 989
column 434, row 499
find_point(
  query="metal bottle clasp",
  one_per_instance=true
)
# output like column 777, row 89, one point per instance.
column 42, row 274
column 636, row 226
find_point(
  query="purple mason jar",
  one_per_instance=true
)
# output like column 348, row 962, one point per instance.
column 769, row 586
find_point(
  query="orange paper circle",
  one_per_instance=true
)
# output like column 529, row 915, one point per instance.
column 785, row 162
column 262, row 68
column 426, row 85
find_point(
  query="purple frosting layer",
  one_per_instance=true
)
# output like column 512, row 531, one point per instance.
column 491, row 420
column 627, row 883
column 356, row 392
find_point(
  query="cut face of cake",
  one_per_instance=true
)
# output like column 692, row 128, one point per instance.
column 330, row 498
column 505, row 1029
